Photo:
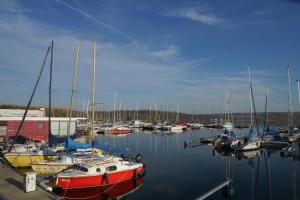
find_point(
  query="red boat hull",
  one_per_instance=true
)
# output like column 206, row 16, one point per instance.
column 120, row 132
column 107, row 192
column 97, row 180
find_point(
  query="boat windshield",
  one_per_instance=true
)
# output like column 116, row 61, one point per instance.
column 82, row 168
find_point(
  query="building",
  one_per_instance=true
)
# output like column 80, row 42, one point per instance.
column 35, row 125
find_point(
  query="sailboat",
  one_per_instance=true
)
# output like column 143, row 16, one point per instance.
column 102, row 171
column 76, row 152
column 23, row 159
column 179, row 126
column 253, row 142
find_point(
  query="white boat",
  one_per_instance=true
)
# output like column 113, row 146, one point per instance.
column 254, row 144
column 228, row 126
column 177, row 128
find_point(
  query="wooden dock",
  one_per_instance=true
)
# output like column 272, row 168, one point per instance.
column 11, row 186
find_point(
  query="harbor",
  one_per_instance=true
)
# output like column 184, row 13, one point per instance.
column 143, row 100
column 193, row 165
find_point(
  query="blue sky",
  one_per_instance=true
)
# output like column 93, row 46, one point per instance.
column 160, row 52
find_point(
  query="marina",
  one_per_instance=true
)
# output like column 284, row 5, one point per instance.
column 143, row 100
column 251, row 173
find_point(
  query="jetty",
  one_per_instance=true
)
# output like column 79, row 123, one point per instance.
column 11, row 186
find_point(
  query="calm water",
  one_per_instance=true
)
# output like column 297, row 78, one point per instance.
column 173, row 172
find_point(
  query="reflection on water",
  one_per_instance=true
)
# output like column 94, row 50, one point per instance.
column 177, row 173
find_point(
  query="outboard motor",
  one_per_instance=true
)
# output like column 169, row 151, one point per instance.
column 138, row 158
column 124, row 157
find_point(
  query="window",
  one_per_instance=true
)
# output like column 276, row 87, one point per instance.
column 98, row 170
column 111, row 168
column 82, row 168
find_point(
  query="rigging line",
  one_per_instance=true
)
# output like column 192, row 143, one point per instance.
column 31, row 97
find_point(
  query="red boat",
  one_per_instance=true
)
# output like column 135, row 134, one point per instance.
column 121, row 130
column 117, row 191
column 106, row 170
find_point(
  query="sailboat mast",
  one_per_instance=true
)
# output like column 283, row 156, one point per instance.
column 115, row 107
column 94, row 85
column 298, row 87
column 50, row 91
column 177, row 116
column 250, row 97
column 150, row 113
column 73, row 89
column 267, row 110
column 289, row 97
column 167, row 113
column 137, row 109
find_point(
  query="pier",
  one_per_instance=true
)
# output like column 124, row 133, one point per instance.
column 11, row 186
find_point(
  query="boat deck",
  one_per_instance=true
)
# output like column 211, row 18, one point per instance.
column 11, row 186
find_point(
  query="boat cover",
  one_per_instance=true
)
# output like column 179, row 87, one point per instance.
column 72, row 145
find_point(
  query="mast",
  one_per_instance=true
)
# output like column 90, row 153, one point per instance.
column 250, row 97
column 115, row 107
column 50, row 91
column 290, row 117
column 267, row 108
column 298, row 87
column 73, row 89
column 225, row 106
column 265, row 117
column 31, row 97
column 150, row 113
column 167, row 113
column 94, row 89
column 137, row 109
column 193, row 114
column 177, row 116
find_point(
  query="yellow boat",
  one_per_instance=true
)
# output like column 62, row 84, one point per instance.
column 63, row 162
column 25, row 159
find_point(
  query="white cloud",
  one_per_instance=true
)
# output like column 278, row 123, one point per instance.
column 196, row 14
column 170, row 51
column 90, row 17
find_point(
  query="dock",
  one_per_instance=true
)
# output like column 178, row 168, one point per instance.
column 274, row 144
column 11, row 186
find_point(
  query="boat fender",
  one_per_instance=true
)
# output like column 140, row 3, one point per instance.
column 138, row 158
column 135, row 174
column 142, row 174
column 105, row 176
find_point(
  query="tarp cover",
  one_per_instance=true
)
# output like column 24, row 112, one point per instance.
column 72, row 145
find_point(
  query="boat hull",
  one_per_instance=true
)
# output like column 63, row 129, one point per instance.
column 120, row 132
column 19, row 160
column 116, row 192
column 98, row 180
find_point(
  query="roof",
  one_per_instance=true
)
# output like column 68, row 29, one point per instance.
column 38, row 119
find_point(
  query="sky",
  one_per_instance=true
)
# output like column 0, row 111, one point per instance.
column 167, row 53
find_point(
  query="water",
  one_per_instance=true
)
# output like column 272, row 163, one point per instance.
column 173, row 172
